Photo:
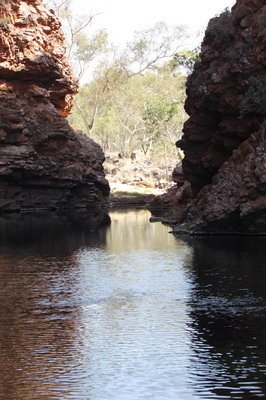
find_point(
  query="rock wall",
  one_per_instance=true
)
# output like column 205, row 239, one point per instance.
column 44, row 164
column 224, row 138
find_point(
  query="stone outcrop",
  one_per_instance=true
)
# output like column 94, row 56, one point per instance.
column 224, row 138
column 235, row 201
column 44, row 164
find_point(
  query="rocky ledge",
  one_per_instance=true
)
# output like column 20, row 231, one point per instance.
column 44, row 164
column 222, row 187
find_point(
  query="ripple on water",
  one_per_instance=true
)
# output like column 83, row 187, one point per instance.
column 130, row 312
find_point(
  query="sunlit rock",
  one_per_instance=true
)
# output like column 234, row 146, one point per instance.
column 44, row 164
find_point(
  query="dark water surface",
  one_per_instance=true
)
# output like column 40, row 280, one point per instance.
column 129, row 312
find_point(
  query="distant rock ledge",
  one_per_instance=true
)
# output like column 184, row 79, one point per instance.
column 44, row 164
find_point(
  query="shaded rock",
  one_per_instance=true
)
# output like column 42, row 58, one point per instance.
column 224, row 138
column 44, row 164
column 172, row 205
column 236, row 200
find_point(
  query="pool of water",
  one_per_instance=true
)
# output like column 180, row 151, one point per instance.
column 129, row 312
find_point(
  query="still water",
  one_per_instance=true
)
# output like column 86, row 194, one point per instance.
column 129, row 312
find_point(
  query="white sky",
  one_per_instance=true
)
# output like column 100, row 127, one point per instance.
column 122, row 17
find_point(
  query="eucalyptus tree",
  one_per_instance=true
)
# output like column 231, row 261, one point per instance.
column 144, row 54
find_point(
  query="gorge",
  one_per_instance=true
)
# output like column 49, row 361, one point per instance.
column 126, row 311
column 45, row 165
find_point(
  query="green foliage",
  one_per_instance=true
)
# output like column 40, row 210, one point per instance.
column 106, row 128
column 152, row 45
column 254, row 100
column 145, row 114
column 159, row 110
column 184, row 59
column 132, row 101
column 89, row 47
column 127, row 193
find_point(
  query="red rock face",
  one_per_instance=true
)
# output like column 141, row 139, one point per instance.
column 235, row 201
column 43, row 162
column 224, row 137
column 232, row 60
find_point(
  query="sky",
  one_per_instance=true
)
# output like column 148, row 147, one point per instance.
column 122, row 17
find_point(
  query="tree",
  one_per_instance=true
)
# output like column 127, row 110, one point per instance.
column 57, row 5
column 83, row 47
column 106, row 83
column 184, row 59
column 150, row 47
column 145, row 53
column 132, row 100
column 146, row 114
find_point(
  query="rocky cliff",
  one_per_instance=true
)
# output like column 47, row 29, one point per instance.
column 222, row 188
column 44, row 164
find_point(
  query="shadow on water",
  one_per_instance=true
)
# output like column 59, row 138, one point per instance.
column 128, row 311
column 53, row 233
column 228, row 311
column 36, row 265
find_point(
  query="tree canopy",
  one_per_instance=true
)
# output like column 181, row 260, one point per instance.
column 130, row 98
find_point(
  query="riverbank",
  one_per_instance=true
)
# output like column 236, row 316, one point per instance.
column 125, row 195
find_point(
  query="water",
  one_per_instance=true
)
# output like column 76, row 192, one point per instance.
column 129, row 312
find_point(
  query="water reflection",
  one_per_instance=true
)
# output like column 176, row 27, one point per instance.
column 52, row 233
column 38, row 318
column 128, row 312
column 228, row 311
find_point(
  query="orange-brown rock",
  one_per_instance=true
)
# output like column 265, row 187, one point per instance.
column 44, row 164
column 224, row 138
